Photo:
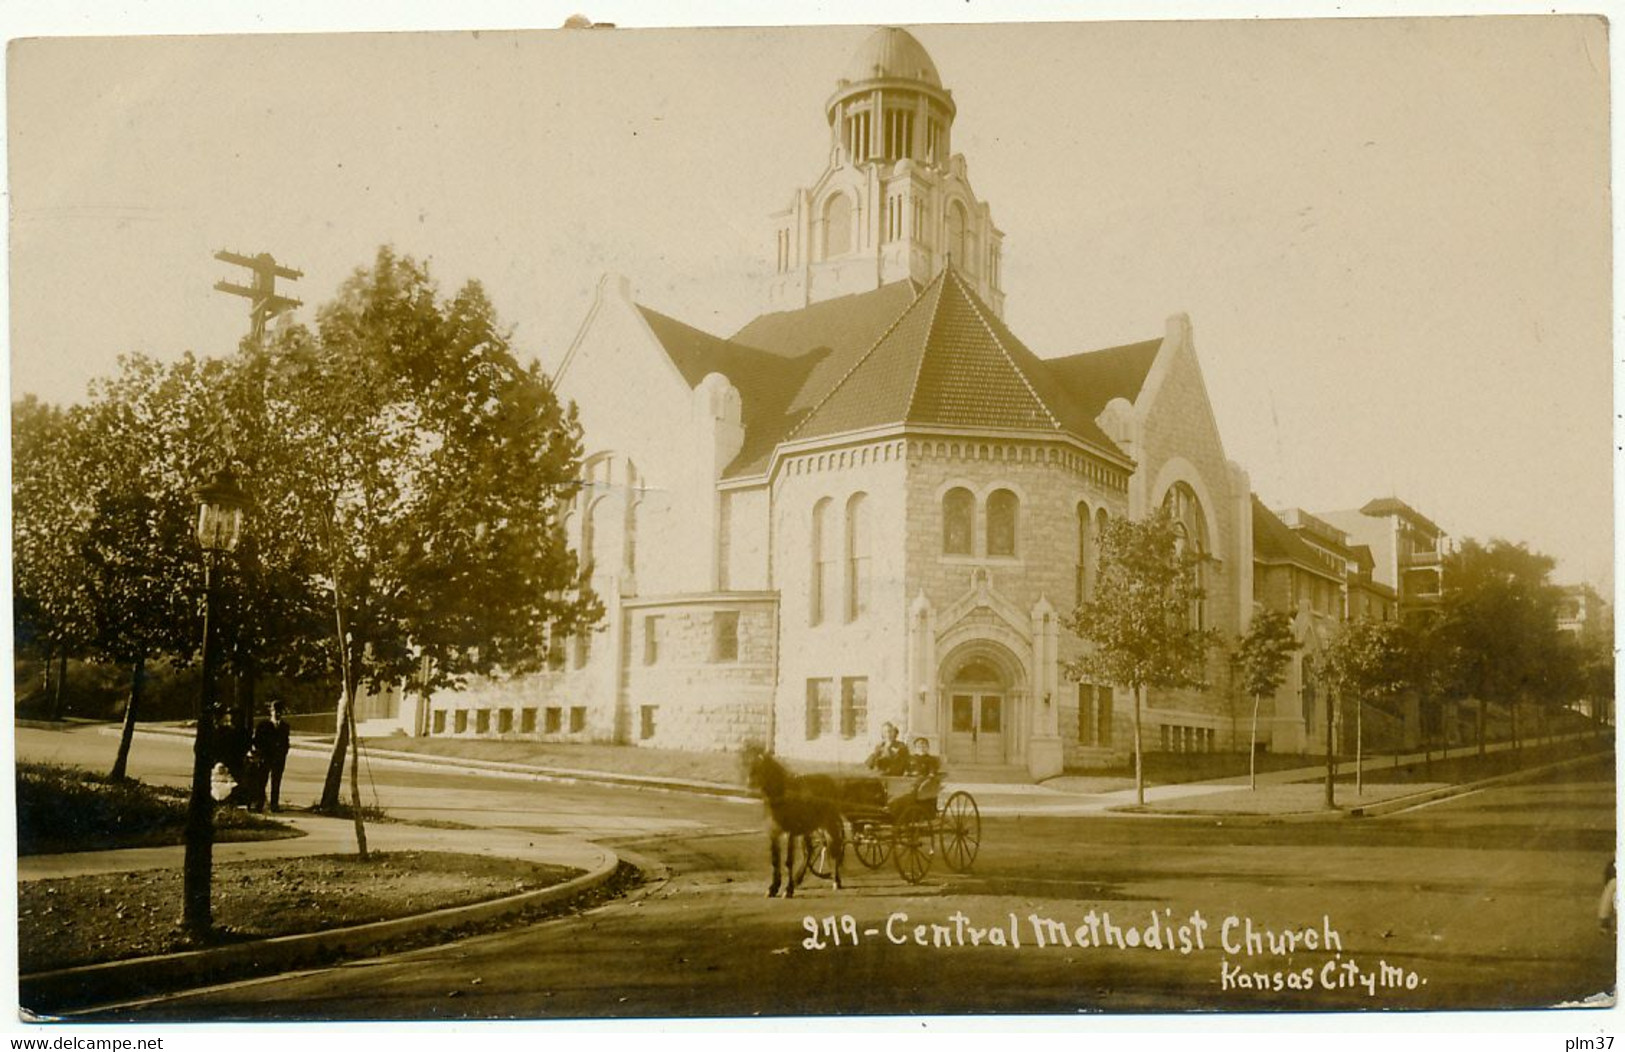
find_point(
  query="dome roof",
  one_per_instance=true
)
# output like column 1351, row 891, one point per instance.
column 892, row 54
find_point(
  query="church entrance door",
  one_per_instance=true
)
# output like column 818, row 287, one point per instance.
column 976, row 728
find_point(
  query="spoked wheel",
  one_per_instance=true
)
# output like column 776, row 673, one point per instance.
column 911, row 843
column 816, row 850
column 870, row 843
column 959, row 832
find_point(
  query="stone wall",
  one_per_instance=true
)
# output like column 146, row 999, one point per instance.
column 832, row 644
column 685, row 692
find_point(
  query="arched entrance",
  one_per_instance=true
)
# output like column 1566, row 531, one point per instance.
column 982, row 722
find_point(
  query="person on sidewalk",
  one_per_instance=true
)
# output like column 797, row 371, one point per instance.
column 271, row 742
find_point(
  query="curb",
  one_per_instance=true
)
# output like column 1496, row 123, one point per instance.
column 1372, row 810
column 1401, row 803
column 48, row 994
column 510, row 769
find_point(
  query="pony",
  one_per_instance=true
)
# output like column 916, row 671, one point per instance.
column 796, row 808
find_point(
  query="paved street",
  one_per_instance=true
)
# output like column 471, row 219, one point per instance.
column 1487, row 900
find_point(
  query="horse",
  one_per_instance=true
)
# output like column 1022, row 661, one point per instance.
column 796, row 807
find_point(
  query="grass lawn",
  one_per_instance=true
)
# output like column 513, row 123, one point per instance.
column 1171, row 768
column 720, row 767
column 68, row 809
column 1465, row 765
column 87, row 920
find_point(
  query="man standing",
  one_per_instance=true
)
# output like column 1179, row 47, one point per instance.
column 271, row 742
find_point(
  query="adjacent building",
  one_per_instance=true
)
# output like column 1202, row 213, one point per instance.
column 1408, row 550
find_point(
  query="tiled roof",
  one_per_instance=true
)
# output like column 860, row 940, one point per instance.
column 1096, row 377
column 1274, row 541
column 949, row 361
column 899, row 354
column 766, row 382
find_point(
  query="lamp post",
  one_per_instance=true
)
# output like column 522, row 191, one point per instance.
column 219, row 528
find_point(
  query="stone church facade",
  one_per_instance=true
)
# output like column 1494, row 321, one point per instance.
column 873, row 502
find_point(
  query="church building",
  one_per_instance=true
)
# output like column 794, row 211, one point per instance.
column 873, row 502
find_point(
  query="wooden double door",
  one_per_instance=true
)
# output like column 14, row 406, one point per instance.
column 977, row 721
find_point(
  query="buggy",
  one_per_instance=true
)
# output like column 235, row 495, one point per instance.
column 906, row 820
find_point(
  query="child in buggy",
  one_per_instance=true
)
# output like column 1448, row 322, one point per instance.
column 925, row 780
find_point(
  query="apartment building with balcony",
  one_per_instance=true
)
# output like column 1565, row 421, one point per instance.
column 1408, row 551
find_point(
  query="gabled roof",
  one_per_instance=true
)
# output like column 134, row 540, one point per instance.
column 1094, row 378
column 948, row 361
column 1383, row 507
column 900, row 354
column 766, row 382
column 1275, row 542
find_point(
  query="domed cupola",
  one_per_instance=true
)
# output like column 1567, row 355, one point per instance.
column 894, row 202
column 891, row 104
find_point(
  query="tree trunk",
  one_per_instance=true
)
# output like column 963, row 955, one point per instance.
column 46, row 679
column 334, row 782
column 1331, row 756
column 58, row 701
column 1482, row 705
column 1359, row 747
column 1139, row 755
column 138, row 677
column 1252, row 749
column 246, row 686
column 355, row 788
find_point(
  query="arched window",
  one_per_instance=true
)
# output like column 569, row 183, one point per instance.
column 592, row 545
column 1084, row 568
column 1094, row 550
column 837, row 226
column 857, row 556
column 1190, row 525
column 958, row 522
column 823, row 561
column 1001, row 522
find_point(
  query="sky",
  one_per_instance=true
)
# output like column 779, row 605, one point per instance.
column 1393, row 237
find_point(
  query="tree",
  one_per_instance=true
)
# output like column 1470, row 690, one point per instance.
column 50, row 512
column 433, row 475
column 1140, row 622
column 142, row 436
column 1260, row 660
column 1498, row 623
column 1366, row 661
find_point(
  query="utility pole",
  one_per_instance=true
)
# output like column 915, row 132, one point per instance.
column 264, row 304
column 262, row 294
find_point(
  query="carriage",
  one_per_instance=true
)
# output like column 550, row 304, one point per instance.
column 903, row 819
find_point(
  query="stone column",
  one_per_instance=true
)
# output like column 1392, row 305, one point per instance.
column 1044, row 759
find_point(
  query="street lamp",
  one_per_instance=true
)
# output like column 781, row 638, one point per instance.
column 219, row 528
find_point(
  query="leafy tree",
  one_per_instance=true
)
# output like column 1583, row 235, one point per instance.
column 1139, row 623
column 434, row 471
column 1260, row 660
column 1366, row 661
column 142, row 438
column 275, row 610
column 1498, row 623
column 141, row 569
column 51, row 510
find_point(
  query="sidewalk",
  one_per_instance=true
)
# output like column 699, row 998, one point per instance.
column 1297, row 792
column 322, row 835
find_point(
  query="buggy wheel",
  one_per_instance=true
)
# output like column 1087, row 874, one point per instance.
column 959, row 832
column 911, row 843
column 870, row 843
column 816, row 850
